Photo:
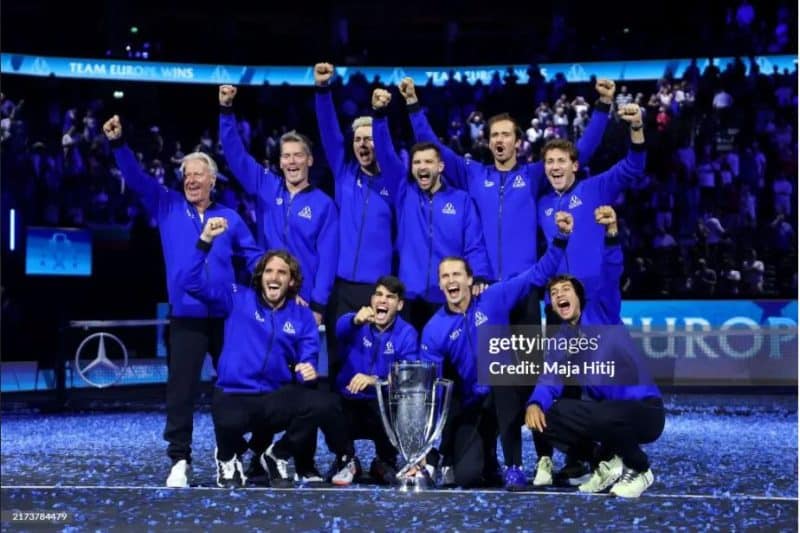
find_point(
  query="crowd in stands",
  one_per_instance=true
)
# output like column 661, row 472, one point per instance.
column 717, row 217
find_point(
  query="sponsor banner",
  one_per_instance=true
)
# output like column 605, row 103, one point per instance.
column 147, row 71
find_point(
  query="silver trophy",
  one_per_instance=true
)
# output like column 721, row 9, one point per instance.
column 414, row 405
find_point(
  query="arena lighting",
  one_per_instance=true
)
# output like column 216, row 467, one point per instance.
column 12, row 229
column 134, row 29
column 119, row 95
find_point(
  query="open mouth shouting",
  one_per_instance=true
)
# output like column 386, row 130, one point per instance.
column 425, row 179
column 274, row 291
column 453, row 291
column 364, row 155
column 381, row 314
column 564, row 307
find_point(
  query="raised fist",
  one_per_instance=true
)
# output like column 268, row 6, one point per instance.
column 632, row 114
column 323, row 72
column 605, row 215
column 214, row 227
column 381, row 98
column 226, row 95
column 605, row 88
column 113, row 128
column 365, row 314
column 564, row 222
column 408, row 90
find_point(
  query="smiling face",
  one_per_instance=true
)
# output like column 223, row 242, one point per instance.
column 503, row 141
column 276, row 281
column 197, row 182
column 455, row 282
column 363, row 146
column 560, row 169
column 386, row 304
column 427, row 167
column 564, row 301
column 295, row 162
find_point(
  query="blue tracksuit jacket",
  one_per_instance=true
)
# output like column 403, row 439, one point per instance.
column 306, row 224
column 506, row 200
column 180, row 225
column 369, row 351
column 262, row 345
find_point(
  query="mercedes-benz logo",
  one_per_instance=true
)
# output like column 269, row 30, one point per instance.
column 101, row 360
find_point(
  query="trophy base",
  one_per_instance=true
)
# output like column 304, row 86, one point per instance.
column 419, row 482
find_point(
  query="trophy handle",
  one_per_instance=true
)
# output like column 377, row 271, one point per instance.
column 447, row 384
column 380, row 386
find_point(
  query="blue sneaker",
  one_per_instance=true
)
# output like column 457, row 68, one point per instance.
column 514, row 479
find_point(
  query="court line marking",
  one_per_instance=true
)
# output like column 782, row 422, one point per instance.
column 344, row 490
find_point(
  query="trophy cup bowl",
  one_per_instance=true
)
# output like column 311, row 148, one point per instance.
column 414, row 404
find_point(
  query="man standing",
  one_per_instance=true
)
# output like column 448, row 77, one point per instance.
column 371, row 341
column 365, row 194
column 195, row 328
column 291, row 213
column 434, row 219
column 451, row 340
column 623, row 408
column 270, row 352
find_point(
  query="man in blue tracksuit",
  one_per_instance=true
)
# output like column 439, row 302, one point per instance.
column 623, row 408
column 581, row 198
column 434, row 221
column 451, row 340
column 506, row 194
column 270, row 352
column 195, row 328
column 291, row 213
column 365, row 196
column 372, row 340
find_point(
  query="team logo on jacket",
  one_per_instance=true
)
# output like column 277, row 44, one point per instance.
column 279, row 201
column 259, row 317
column 189, row 213
column 455, row 334
column 548, row 212
column 449, row 209
column 305, row 213
column 518, row 182
column 358, row 182
column 574, row 202
column 480, row 318
column 367, row 343
column 488, row 183
column 384, row 192
column 389, row 348
column 288, row 328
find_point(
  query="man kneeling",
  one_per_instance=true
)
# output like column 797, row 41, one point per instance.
column 269, row 354
column 370, row 342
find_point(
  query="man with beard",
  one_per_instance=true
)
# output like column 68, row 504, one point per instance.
column 434, row 220
column 371, row 341
column 620, row 410
column 451, row 340
column 506, row 193
column 195, row 328
column 365, row 193
column 270, row 353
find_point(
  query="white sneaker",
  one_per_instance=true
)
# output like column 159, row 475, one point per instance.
column 350, row 471
column 544, row 472
column 605, row 475
column 179, row 475
column 632, row 483
column 448, row 477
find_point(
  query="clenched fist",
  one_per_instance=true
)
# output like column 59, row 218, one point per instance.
column 408, row 90
column 364, row 315
column 605, row 215
column 381, row 98
column 323, row 72
column 564, row 222
column 632, row 114
column 226, row 95
column 605, row 88
column 214, row 227
column 113, row 128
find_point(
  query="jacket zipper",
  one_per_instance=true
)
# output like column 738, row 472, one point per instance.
column 360, row 232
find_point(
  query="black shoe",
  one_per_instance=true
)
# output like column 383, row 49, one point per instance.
column 255, row 471
column 383, row 472
column 277, row 470
column 572, row 475
column 229, row 473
